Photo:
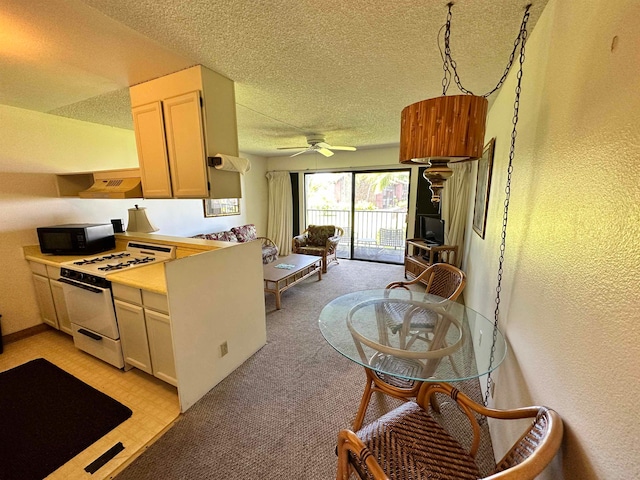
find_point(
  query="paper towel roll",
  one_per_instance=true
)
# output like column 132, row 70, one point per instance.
column 233, row 164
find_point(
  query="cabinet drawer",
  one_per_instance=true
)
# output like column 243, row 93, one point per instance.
column 128, row 294
column 53, row 272
column 38, row 268
column 413, row 267
column 155, row 301
column 102, row 347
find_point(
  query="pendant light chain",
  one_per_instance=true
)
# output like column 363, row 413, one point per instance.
column 516, row 108
column 449, row 61
column 446, row 80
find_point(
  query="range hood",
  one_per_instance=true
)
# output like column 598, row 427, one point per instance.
column 114, row 184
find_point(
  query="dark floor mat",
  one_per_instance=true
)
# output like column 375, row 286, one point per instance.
column 47, row 417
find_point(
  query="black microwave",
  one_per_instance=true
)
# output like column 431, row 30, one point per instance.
column 76, row 238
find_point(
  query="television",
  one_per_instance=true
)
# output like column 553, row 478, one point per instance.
column 432, row 230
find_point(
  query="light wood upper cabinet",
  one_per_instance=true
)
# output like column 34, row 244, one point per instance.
column 185, row 145
column 152, row 151
column 180, row 120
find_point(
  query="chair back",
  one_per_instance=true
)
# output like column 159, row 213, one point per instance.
column 446, row 281
column 442, row 279
column 318, row 235
column 534, row 451
column 391, row 237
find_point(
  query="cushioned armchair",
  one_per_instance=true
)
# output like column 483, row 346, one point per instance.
column 321, row 241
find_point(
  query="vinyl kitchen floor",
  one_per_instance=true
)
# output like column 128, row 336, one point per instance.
column 154, row 403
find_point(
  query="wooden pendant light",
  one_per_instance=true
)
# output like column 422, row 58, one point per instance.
column 450, row 127
column 442, row 130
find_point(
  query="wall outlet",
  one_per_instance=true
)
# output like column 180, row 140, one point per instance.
column 224, row 349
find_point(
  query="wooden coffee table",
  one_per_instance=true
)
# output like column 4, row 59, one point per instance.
column 277, row 280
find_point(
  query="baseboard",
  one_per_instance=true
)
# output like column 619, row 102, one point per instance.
column 27, row 332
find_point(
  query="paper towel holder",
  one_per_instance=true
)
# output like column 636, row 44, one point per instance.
column 214, row 161
column 222, row 184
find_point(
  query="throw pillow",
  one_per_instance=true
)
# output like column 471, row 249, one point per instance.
column 225, row 236
column 318, row 234
column 245, row 233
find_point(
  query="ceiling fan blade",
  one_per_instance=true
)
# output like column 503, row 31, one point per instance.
column 324, row 151
column 291, row 148
column 346, row 149
column 299, row 153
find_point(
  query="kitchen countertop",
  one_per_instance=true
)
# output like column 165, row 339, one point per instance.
column 150, row 277
column 33, row 253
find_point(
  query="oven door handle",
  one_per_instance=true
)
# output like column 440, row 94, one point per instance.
column 89, row 334
column 89, row 288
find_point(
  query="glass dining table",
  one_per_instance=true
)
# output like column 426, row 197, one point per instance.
column 412, row 335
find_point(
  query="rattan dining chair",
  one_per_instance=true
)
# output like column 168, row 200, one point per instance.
column 443, row 280
column 409, row 444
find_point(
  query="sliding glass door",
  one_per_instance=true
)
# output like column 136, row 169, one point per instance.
column 371, row 208
column 328, row 202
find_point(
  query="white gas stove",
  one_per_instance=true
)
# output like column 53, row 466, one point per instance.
column 87, row 293
column 136, row 255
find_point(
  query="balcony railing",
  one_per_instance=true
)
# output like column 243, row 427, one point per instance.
column 377, row 234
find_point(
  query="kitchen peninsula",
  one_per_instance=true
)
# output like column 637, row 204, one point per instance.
column 210, row 297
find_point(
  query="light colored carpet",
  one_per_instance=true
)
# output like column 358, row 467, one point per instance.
column 278, row 414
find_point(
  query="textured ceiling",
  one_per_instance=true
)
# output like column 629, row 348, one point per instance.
column 342, row 69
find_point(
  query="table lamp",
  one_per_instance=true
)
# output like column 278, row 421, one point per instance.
column 139, row 222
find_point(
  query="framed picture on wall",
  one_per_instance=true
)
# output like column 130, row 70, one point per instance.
column 221, row 207
column 483, row 187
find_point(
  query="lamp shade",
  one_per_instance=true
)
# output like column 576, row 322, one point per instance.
column 447, row 127
column 139, row 222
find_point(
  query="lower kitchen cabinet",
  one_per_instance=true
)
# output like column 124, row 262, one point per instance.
column 50, row 296
column 145, row 331
column 64, row 323
column 133, row 335
column 160, row 343
column 44, row 298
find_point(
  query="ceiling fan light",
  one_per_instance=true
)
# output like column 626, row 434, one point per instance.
column 447, row 127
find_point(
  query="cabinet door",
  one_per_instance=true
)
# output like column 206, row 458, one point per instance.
column 152, row 150
column 45, row 300
column 133, row 335
column 61, row 306
column 185, row 146
column 161, row 345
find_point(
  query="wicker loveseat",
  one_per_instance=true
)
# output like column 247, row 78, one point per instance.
column 244, row 233
column 321, row 241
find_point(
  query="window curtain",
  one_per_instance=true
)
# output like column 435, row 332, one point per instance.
column 455, row 206
column 280, row 211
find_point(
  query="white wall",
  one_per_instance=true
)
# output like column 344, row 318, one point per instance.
column 572, row 277
column 33, row 146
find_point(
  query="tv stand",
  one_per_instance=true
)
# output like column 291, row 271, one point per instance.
column 420, row 254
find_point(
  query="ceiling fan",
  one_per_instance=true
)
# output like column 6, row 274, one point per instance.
column 316, row 143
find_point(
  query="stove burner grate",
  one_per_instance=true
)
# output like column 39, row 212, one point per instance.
column 114, row 256
column 139, row 261
column 128, row 263
column 91, row 261
column 117, row 266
